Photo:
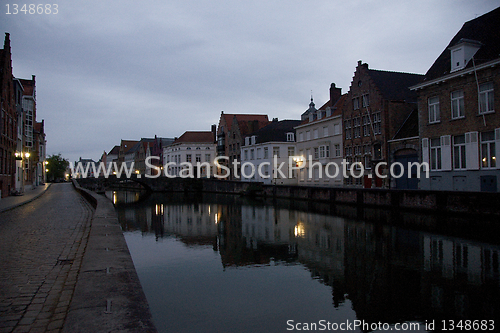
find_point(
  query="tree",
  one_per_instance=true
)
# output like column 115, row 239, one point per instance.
column 56, row 167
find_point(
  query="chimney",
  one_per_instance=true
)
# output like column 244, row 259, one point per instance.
column 335, row 94
column 275, row 120
column 214, row 132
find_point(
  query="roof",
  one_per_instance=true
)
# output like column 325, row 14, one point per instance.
column 394, row 85
column 128, row 144
column 484, row 29
column 196, row 137
column 38, row 126
column 114, row 151
column 276, row 131
column 409, row 128
column 244, row 118
column 28, row 85
column 336, row 110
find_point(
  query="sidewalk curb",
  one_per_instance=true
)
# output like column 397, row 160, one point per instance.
column 108, row 295
column 27, row 201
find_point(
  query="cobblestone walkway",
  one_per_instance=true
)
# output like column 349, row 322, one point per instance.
column 41, row 248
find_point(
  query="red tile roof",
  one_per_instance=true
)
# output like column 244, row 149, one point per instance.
column 128, row 144
column 196, row 137
column 261, row 118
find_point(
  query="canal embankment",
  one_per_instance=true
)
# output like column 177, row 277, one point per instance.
column 108, row 296
column 475, row 203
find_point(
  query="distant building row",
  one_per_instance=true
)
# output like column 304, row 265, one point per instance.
column 22, row 138
column 387, row 121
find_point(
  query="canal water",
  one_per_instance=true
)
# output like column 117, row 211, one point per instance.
column 222, row 263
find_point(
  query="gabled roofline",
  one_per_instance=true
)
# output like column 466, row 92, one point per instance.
column 453, row 75
column 319, row 121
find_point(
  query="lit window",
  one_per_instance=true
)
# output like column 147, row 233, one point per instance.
column 488, row 158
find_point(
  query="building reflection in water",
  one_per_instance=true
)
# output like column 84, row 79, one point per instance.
column 389, row 273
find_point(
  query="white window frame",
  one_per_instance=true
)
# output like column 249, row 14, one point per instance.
column 324, row 151
column 486, row 98
column 433, row 107
column 488, row 151
column 459, row 153
column 435, row 154
column 457, row 104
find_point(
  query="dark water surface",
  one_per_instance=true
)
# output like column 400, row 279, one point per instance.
column 216, row 263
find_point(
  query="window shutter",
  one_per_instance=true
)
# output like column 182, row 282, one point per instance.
column 471, row 151
column 446, row 152
column 425, row 150
column 497, row 146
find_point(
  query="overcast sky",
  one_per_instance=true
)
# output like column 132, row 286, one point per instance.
column 111, row 70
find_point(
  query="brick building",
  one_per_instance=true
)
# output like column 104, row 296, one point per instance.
column 8, row 121
column 459, row 104
column 378, row 104
column 231, row 134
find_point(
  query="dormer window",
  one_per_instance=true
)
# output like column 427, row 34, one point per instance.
column 462, row 53
column 320, row 114
column 253, row 139
column 328, row 111
column 290, row 137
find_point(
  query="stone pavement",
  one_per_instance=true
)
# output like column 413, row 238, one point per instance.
column 42, row 244
column 28, row 196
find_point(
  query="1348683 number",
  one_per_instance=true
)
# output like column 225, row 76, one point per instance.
column 468, row 325
column 32, row 9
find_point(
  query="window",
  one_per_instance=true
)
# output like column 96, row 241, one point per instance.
column 347, row 124
column 337, row 150
column 324, row 151
column 276, row 152
column 301, row 136
column 459, row 152
column 315, row 135
column 336, row 129
column 377, row 123
column 266, row 152
column 207, row 157
column 252, row 152
column 259, row 153
column 488, row 158
column 308, row 135
column 457, row 104
column 486, row 98
column 367, row 162
column 290, row 137
column 198, row 157
column 316, row 153
column 434, row 116
column 366, row 129
column 246, row 154
column 355, row 103
column 325, row 131
column 357, row 127
column 436, row 154
column 188, row 158
column 366, row 100
column 377, row 150
column 291, row 151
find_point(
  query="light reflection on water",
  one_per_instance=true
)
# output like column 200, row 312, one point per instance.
column 223, row 264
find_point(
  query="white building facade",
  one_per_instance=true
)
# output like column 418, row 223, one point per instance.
column 319, row 145
column 191, row 154
column 267, row 152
